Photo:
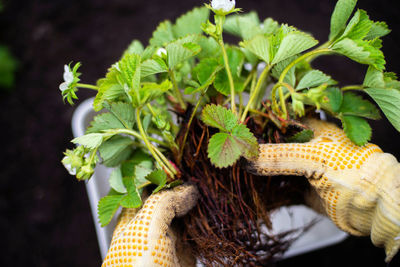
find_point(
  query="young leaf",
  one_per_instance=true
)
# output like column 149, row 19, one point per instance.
column 358, row 27
column 236, row 61
column 378, row 29
column 357, row 129
column 124, row 112
column 223, row 150
column 244, row 26
column 335, row 99
column 314, row 78
column 150, row 91
column 129, row 71
column 132, row 199
column 91, row 141
column 292, row 44
column 245, row 140
column 389, row 102
column 260, row 46
column 177, row 52
column 363, row 52
column 158, row 177
column 190, row 23
column 301, row 137
column 115, row 150
column 135, row 47
column 290, row 77
column 209, row 47
column 153, row 66
column 104, row 121
column 374, row 78
column 116, row 181
column 357, row 106
column 109, row 89
column 340, row 16
column 107, row 207
column 219, row 117
column 163, row 34
column 205, row 69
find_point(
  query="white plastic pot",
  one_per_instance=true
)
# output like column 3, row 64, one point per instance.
column 323, row 233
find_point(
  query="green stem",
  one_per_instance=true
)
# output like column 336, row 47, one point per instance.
column 188, row 127
column 137, row 135
column 254, row 94
column 87, row 86
column 149, row 145
column 283, row 75
column 352, row 87
column 178, row 93
column 229, row 73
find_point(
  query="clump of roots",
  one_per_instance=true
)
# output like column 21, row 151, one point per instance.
column 229, row 225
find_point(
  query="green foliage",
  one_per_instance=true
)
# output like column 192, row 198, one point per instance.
column 8, row 66
column 234, row 140
column 340, row 16
column 314, row 78
column 159, row 178
column 357, row 129
column 301, row 137
column 355, row 105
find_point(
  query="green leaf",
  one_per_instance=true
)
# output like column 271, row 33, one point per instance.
column 124, row 112
column 358, row 27
column 163, row 34
column 219, row 117
column 374, row 78
column 236, row 61
column 158, row 177
column 104, row 121
column 150, row 91
column 135, row 47
column 129, row 71
column 132, row 199
column 245, row 140
column 378, row 29
column 223, row 150
column 389, row 102
column 91, row 141
column 190, row 23
column 178, row 52
column 340, row 16
column 335, row 97
column 245, row 26
column 153, row 66
column 270, row 26
column 290, row 77
column 205, row 72
column 138, row 167
column 209, row 47
column 355, row 105
column 109, row 89
column 8, row 66
column 260, row 46
column 115, row 150
column 391, row 81
column 301, row 137
column 116, row 181
column 364, row 52
column 292, row 44
column 314, row 78
column 107, row 207
column 357, row 129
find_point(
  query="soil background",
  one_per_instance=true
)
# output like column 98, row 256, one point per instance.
column 45, row 216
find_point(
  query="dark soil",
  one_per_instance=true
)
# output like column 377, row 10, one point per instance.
column 44, row 213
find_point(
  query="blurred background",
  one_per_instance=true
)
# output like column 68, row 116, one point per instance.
column 44, row 213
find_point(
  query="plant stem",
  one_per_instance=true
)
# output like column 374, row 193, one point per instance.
column 283, row 75
column 137, row 135
column 352, row 87
column 254, row 94
column 150, row 146
column 87, row 86
column 229, row 73
column 178, row 93
column 188, row 127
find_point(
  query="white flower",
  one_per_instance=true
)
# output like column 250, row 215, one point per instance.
column 72, row 171
column 161, row 51
column 68, row 78
column 223, row 5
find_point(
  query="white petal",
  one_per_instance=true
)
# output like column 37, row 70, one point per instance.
column 70, row 170
column 68, row 75
column 64, row 86
column 224, row 5
column 161, row 51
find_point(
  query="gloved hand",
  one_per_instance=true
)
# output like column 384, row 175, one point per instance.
column 146, row 238
column 359, row 186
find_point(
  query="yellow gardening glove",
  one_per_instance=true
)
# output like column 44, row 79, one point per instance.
column 146, row 238
column 359, row 186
